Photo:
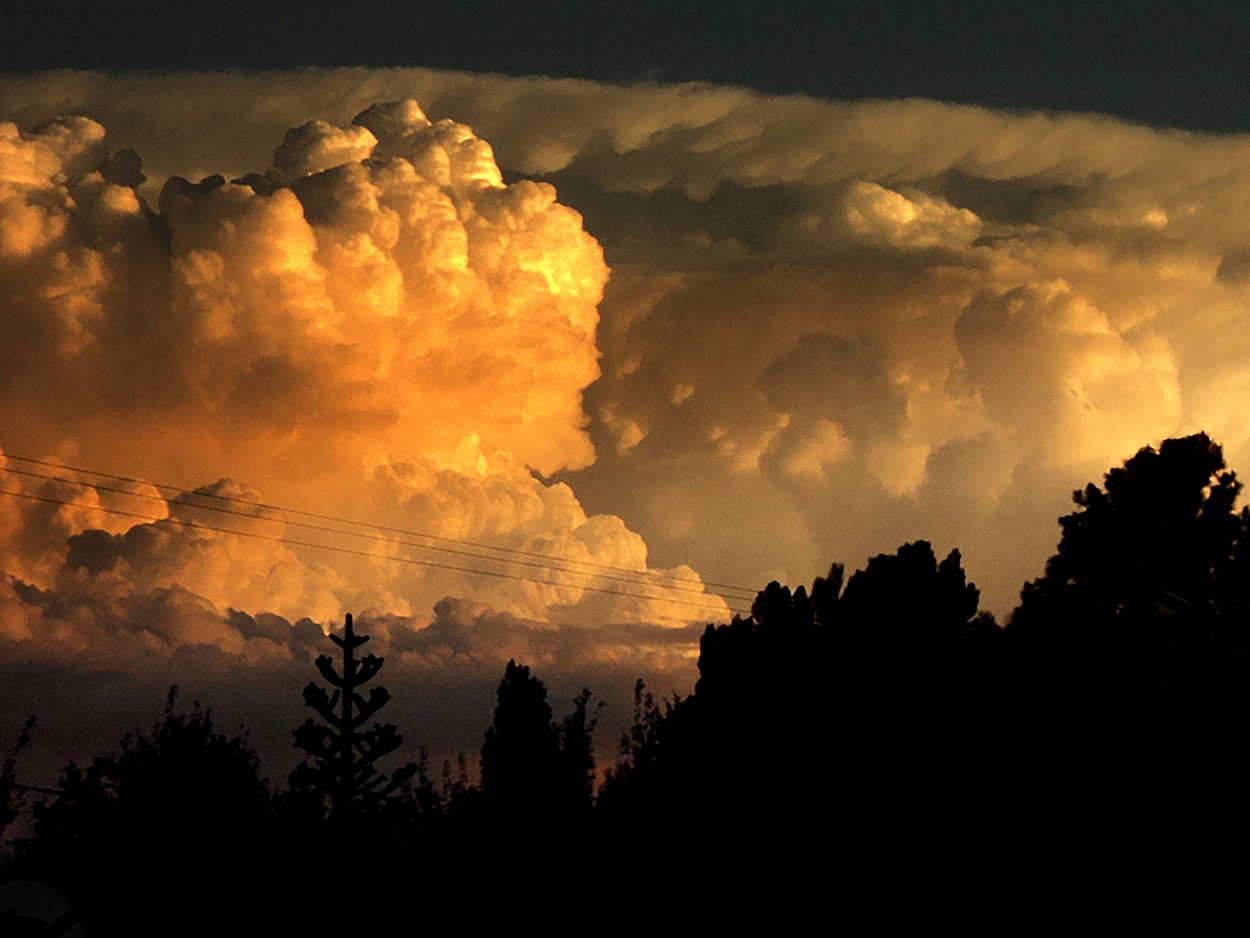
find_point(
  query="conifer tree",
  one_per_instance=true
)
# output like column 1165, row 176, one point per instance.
column 532, row 767
column 345, row 754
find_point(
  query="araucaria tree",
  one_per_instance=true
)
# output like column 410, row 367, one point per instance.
column 344, row 753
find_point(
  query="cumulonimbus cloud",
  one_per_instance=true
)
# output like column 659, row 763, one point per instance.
column 830, row 327
column 376, row 326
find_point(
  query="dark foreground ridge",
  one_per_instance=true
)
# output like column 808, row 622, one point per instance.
column 875, row 743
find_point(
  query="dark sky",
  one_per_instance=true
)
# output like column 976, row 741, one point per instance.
column 1159, row 63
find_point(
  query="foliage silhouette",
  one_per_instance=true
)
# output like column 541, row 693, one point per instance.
column 848, row 688
column 343, row 754
column 521, row 751
column 652, row 774
column 536, row 794
column 1149, row 585
column 171, row 810
column 577, row 752
column 1163, row 532
column 533, row 769
column 1131, row 647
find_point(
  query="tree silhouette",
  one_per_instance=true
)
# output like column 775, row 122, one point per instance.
column 577, row 754
column 1161, row 532
column 533, row 768
column 879, row 649
column 908, row 601
column 1130, row 650
column 862, row 706
column 173, row 810
column 521, row 752
column 1140, row 618
column 344, row 754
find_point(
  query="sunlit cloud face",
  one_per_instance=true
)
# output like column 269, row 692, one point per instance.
column 829, row 328
column 375, row 326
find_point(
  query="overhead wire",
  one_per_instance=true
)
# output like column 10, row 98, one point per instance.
column 634, row 576
column 252, row 516
column 360, row 553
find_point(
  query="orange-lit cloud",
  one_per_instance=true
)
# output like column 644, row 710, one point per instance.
column 374, row 326
column 829, row 328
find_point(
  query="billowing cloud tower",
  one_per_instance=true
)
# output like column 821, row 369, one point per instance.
column 375, row 327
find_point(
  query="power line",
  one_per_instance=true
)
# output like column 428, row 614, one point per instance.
column 746, row 592
column 369, row 524
column 360, row 534
column 352, row 551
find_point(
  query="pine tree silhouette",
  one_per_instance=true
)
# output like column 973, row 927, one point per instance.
column 344, row 755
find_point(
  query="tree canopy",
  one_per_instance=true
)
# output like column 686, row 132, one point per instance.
column 131, row 816
column 1140, row 617
column 1162, row 533
column 533, row 768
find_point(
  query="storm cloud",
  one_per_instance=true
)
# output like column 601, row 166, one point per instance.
column 658, row 328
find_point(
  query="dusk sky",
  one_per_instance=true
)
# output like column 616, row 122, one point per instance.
column 658, row 303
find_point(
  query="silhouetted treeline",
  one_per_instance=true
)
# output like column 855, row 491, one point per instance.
column 874, row 731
